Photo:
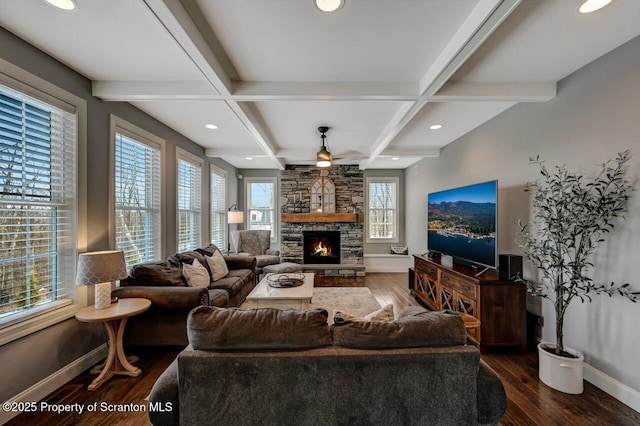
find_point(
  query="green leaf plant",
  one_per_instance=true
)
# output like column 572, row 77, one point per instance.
column 571, row 215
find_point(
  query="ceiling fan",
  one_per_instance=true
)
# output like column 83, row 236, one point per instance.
column 324, row 158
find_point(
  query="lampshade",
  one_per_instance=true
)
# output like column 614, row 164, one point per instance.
column 235, row 216
column 101, row 267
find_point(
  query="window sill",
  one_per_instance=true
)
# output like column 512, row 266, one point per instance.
column 37, row 322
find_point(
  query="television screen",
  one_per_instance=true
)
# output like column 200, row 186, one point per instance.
column 462, row 222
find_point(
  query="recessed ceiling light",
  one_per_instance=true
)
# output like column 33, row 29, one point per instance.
column 62, row 4
column 436, row 127
column 211, row 126
column 329, row 5
column 395, row 158
column 248, row 158
column 589, row 6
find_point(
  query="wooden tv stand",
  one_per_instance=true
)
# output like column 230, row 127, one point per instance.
column 499, row 305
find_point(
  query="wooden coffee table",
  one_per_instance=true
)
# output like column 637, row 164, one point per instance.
column 114, row 319
column 265, row 296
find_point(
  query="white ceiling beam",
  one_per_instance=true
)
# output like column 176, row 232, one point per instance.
column 481, row 22
column 125, row 91
column 330, row 91
column 178, row 23
column 233, row 152
column 501, row 92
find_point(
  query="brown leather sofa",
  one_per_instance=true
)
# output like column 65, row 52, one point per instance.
column 165, row 322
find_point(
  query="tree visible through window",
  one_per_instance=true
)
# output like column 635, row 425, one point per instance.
column 382, row 209
column 137, row 199
column 261, row 201
column 218, row 207
column 37, row 201
column 189, row 205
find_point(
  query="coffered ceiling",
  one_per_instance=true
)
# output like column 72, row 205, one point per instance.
column 379, row 73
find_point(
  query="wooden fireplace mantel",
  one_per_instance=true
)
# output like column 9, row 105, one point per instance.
column 318, row 217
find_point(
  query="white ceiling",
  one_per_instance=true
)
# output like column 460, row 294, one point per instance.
column 268, row 73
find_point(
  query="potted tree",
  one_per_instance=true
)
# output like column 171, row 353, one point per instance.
column 571, row 216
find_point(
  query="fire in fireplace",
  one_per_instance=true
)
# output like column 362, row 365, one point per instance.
column 321, row 247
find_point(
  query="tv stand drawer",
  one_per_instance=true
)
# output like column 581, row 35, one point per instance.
column 461, row 285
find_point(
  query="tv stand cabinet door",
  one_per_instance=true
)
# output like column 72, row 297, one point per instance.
column 425, row 284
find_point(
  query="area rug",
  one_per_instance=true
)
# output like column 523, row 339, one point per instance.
column 354, row 300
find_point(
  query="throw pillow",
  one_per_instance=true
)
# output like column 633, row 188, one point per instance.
column 231, row 329
column 196, row 274
column 420, row 329
column 383, row 314
column 217, row 265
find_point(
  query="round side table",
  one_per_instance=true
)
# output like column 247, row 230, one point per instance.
column 114, row 318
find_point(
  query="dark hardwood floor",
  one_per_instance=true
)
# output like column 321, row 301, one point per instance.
column 529, row 402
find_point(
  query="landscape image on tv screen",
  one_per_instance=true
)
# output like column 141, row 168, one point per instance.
column 462, row 222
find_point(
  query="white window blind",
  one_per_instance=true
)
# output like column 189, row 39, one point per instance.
column 218, row 216
column 382, row 209
column 189, row 202
column 261, row 199
column 137, row 198
column 37, row 202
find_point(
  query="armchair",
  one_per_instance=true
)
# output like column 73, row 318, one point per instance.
column 256, row 243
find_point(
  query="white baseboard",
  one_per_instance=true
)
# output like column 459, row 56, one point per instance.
column 619, row 391
column 387, row 262
column 49, row 384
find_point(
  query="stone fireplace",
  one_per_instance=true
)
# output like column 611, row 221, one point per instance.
column 298, row 219
column 321, row 247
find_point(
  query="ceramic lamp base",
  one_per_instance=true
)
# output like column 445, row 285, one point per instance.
column 103, row 295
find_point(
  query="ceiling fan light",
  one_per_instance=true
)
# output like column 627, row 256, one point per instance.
column 589, row 6
column 329, row 5
column 323, row 158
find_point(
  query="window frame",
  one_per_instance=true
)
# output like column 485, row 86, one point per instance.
column 395, row 181
column 213, row 169
column 21, row 324
column 276, row 218
column 183, row 155
column 131, row 131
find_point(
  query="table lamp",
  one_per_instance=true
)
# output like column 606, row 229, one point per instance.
column 233, row 216
column 101, row 268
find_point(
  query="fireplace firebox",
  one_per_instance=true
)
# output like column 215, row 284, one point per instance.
column 321, row 247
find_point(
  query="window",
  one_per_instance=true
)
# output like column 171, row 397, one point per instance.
column 261, row 202
column 189, row 201
column 137, row 188
column 218, row 215
column 38, row 167
column 382, row 212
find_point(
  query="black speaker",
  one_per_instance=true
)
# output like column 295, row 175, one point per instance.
column 411, row 280
column 510, row 266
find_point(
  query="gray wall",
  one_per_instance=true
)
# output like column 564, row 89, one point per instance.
column 28, row 360
column 595, row 115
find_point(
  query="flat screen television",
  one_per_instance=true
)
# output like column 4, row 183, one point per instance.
column 462, row 223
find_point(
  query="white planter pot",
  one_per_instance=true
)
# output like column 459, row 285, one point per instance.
column 561, row 373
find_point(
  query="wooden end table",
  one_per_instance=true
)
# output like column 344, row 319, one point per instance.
column 114, row 319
